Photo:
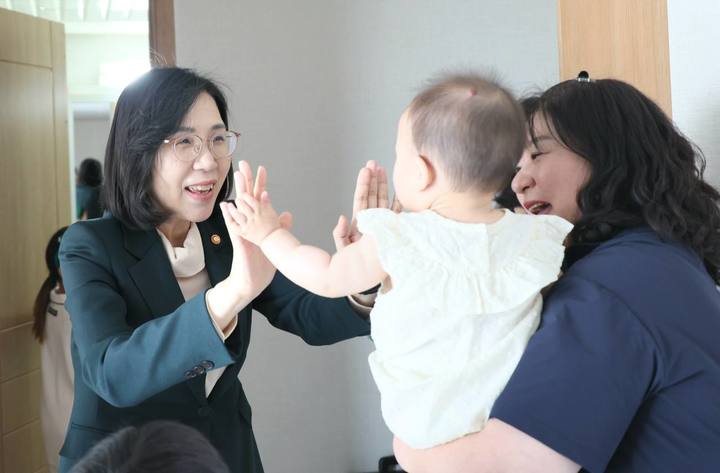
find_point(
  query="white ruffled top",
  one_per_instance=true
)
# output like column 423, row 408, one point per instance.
column 464, row 299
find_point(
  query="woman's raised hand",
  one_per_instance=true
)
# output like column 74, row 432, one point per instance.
column 253, row 219
column 251, row 272
column 371, row 191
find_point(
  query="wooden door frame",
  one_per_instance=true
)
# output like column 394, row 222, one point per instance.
column 161, row 18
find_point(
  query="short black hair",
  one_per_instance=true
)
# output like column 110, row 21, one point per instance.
column 90, row 173
column 643, row 170
column 148, row 111
column 157, row 447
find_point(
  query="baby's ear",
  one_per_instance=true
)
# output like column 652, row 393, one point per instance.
column 426, row 173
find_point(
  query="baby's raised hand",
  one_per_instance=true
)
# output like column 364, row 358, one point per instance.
column 252, row 201
column 256, row 218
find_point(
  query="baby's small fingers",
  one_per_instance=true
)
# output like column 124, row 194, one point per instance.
column 244, row 210
column 265, row 200
column 233, row 222
column 250, row 201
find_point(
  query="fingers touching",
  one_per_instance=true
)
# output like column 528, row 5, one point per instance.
column 244, row 180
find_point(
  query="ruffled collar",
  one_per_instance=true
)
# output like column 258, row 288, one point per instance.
column 189, row 259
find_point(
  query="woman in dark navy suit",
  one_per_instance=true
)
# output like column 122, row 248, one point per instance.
column 160, row 297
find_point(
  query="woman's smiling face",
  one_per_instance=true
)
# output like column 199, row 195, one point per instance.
column 189, row 189
column 549, row 176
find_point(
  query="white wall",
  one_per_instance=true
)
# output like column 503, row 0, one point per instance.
column 316, row 88
column 90, row 137
column 694, row 39
column 87, row 54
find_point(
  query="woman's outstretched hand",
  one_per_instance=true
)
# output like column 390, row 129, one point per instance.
column 251, row 272
column 253, row 219
column 371, row 191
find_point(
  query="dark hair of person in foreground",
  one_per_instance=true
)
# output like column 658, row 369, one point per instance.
column 156, row 447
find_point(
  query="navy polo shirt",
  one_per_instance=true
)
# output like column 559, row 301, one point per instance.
column 623, row 374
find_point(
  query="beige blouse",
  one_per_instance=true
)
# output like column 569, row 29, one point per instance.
column 188, row 265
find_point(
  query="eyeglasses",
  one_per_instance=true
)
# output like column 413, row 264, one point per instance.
column 221, row 144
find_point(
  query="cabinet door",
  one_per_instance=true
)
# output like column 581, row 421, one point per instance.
column 34, row 202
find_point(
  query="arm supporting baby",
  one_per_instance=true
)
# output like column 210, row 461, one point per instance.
column 354, row 268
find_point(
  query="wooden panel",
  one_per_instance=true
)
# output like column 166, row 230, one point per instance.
column 62, row 145
column 162, row 32
column 24, row 39
column 27, row 186
column 21, row 401
column 24, row 449
column 2, row 442
column 621, row 39
column 19, row 352
column 34, row 201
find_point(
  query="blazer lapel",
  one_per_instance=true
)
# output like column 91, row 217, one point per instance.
column 217, row 248
column 152, row 274
column 218, row 260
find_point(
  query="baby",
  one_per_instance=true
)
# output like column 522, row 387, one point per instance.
column 461, row 279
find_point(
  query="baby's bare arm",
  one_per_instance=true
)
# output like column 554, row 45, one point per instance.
column 353, row 269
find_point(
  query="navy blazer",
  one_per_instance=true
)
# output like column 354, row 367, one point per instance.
column 140, row 351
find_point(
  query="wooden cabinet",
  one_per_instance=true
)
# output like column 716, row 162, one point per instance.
column 34, row 202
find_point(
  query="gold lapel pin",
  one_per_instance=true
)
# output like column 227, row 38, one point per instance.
column 215, row 239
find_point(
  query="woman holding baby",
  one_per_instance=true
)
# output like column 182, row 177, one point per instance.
column 616, row 378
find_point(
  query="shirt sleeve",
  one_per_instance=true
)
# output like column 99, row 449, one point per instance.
column 583, row 376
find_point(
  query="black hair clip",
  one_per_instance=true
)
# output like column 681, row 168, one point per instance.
column 583, row 76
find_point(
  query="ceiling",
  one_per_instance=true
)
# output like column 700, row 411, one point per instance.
column 88, row 16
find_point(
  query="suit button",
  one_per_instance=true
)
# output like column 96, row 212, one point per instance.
column 207, row 364
column 205, row 411
column 198, row 370
column 190, row 374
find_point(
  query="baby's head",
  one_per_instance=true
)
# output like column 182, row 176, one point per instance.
column 464, row 133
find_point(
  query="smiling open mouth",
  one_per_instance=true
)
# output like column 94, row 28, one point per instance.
column 538, row 207
column 201, row 189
